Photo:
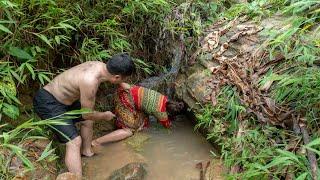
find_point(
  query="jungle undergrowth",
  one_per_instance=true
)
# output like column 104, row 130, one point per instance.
column 42, row 38
column 256, row 150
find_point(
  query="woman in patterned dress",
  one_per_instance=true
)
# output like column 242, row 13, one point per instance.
column 133, row 104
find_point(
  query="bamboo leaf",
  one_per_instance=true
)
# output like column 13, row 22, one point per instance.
column 288, row 154
column 18, row 151
column 67, row 26
column 302, row 176
column 47, row 151
column 14, row 98
column 144, row 7
column 314, row 150
column 35, row 137
column 6, row 137
column 17, row 52
column 78, row 112
column 4, row 29
column 279, row 161
column 30, row 68
column 15, row 75
column 314, row 142
column 44, row 39
column 10, row 110
column 6, row 22
column 57, row 39
column 43, row 77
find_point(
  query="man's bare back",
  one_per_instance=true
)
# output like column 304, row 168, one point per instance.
column 66, row 87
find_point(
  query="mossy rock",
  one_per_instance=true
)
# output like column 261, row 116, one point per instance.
column 131, row 171
column 68, row 176
column 137, row 141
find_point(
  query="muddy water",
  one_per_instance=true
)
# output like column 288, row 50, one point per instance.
column 170, row 155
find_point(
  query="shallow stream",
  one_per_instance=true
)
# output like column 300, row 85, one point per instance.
column 169, row 154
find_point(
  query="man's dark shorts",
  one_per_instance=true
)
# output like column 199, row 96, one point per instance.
column 47, row 106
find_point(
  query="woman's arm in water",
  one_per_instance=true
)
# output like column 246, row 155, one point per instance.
column 125, row 85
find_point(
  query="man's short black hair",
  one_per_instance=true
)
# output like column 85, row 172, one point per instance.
column 121, row 64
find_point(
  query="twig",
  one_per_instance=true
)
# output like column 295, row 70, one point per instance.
column 200, row 166
column 311, row 156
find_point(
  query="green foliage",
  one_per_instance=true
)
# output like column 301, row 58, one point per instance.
column 37, row 37
column 300, row 87
column 192, row 17
column 256, row 8
column 261, row 151
column 40, row 37
column 314, row 146
column 297, row 78
column 140, row 64
column 12, row 140
column 36, row 34
column 22, row 132
column 224, row 111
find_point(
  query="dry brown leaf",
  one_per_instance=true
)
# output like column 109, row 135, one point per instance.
column 266, row 86
column 271, row 103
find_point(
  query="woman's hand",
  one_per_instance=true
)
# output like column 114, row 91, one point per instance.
column 166, row 124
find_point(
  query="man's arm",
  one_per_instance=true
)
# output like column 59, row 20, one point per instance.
column 88, row 92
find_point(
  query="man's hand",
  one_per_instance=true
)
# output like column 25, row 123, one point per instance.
column 108, row 115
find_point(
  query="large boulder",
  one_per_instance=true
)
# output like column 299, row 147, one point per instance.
column 222, row 40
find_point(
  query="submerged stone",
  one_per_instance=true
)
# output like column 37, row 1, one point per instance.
column 137, row 141
column 68, row 176
column 131, row 171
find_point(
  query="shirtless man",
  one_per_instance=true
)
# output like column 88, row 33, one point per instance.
column 74, row 89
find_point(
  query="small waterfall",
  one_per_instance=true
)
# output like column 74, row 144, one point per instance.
column 169, row 77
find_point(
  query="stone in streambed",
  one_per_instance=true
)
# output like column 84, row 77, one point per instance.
column 68, row 176
column 137, row 141
column 131, row 171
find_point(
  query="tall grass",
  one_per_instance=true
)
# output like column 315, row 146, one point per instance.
column 12, row 140
column 39, row 38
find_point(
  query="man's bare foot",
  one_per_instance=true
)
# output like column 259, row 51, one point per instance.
column 96, row 146
column 87, row 153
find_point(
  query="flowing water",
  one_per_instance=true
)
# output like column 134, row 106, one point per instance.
column 166, row 79
column 170, row 155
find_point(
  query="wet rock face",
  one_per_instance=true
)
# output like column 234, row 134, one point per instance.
column 210, row 170
column 131, row 171
column 193, row 89
column 163, row 83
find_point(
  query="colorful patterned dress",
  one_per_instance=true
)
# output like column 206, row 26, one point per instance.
column 133, row 104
